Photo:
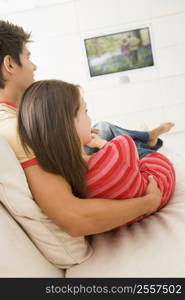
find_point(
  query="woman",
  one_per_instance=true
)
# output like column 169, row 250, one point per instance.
column 52, row 125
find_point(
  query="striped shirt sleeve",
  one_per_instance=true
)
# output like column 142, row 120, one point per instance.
column 113, row 169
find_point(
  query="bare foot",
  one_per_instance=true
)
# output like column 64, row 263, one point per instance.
column 156, row 132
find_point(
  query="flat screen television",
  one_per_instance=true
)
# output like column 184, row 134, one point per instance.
column 118, row 52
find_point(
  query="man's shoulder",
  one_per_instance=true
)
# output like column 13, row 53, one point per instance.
column 8, row 127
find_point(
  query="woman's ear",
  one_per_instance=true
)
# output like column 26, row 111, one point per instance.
column 8, row 64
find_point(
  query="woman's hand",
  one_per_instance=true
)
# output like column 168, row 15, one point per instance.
column 94, row 130
column 155, row 193
column 96, row 141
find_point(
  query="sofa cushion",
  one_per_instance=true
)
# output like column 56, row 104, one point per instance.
column 19, row 257
column 154, row 247
column 56, row 245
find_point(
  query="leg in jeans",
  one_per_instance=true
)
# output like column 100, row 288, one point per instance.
column 108, row 131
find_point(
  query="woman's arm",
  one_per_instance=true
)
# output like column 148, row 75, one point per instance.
column 80, row 217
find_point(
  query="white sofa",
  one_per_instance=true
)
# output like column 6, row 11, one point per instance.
column 154, row 247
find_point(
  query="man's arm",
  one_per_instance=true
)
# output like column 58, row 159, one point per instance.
column 80, row 217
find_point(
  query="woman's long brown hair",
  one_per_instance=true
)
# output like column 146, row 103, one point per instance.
column 46, row 125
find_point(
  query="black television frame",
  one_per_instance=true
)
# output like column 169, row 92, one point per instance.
column 116, row 33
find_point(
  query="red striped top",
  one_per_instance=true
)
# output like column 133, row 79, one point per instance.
column 115, row 172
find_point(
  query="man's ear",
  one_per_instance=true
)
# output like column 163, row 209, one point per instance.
column 8, row 63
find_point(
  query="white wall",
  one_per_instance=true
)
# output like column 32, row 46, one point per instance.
column 153, row 95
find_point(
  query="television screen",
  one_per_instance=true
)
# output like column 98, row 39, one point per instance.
column 119, row 52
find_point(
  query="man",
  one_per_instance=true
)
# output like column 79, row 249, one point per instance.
column 16, row 74
column 74, row 215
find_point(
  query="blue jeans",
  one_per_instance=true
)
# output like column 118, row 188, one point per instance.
column 108, row 131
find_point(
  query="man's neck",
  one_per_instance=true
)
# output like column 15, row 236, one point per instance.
column 10, row 95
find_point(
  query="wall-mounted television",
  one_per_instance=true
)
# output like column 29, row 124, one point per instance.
column 118, row 52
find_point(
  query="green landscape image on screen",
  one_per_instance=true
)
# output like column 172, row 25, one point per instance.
column 119, row 52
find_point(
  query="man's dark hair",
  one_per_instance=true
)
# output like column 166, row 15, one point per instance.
column 12, row 40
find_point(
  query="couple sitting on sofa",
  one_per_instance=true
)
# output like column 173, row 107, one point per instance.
column 53, row 127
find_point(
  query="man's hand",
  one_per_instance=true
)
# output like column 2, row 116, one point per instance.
column 154, row 191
